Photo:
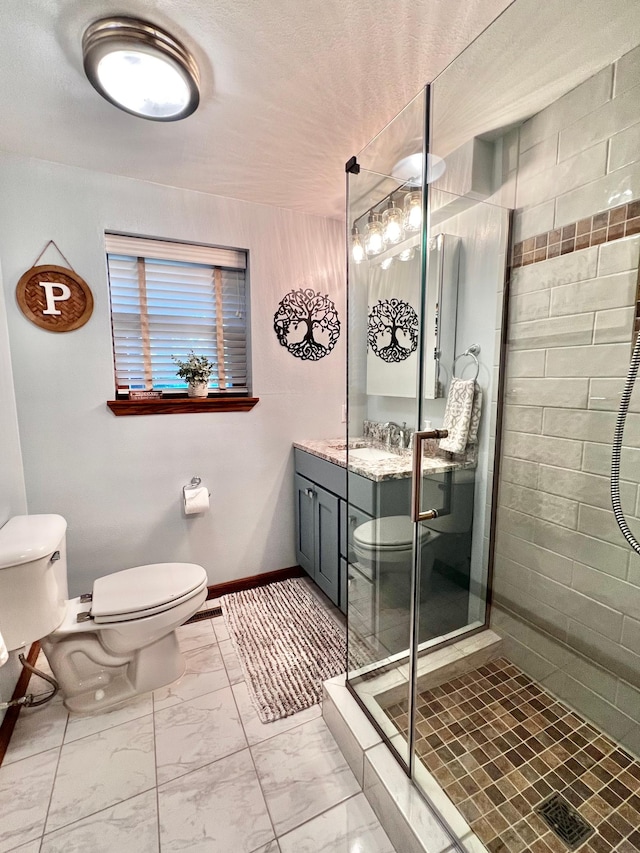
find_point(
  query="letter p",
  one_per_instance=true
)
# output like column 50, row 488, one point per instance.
column 52, row 298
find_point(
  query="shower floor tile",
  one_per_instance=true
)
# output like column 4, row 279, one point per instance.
column 499, row 745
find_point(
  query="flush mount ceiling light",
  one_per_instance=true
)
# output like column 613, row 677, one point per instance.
column 409, row 169
column 141, row 69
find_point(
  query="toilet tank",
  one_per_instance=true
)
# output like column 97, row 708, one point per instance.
column 459, row 487
column 33, row 578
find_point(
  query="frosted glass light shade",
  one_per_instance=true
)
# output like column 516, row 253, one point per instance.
column 409, row 169
column 143, row 84
column 141, row 69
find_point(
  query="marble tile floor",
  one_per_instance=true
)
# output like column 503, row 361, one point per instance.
column 189, row 767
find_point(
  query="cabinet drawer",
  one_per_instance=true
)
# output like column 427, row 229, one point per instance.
column 384, row 497
column 331, row 477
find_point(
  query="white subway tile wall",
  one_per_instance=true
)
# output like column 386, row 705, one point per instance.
column 566, row 585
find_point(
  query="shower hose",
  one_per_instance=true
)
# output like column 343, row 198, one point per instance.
column 617, row 448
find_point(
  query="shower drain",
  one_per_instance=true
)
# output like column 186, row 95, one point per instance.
column 565, row 821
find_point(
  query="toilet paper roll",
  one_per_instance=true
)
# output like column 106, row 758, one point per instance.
column 196, row 500
column 4, row 654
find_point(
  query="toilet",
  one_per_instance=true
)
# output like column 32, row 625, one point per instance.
column 103, row 648
column 383, row 547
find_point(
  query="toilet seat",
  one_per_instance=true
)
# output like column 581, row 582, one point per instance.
column 144, row 591
column 391, row 532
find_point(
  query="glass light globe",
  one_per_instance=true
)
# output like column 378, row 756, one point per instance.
column 413, row 211
column 386, row 263
column 373, row 239
column 357, row 249
column 392, row 228
column 406, row 254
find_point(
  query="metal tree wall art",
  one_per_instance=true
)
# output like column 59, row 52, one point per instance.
column 393, row 330
column 307, row 324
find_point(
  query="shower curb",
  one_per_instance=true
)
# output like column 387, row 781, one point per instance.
column 416, row 821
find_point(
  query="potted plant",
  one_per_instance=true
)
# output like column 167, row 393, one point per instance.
column 196, row 371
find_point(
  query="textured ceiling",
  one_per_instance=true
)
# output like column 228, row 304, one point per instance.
column 292, row 88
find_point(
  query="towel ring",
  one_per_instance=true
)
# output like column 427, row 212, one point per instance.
column 470, row 353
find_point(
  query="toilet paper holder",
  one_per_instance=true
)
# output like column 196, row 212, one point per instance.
column 194, row 484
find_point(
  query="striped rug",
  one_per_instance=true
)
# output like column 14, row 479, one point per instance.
column 287, row 644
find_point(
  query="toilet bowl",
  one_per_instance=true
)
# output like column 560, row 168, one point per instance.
column 104, row 648
column 383, row 548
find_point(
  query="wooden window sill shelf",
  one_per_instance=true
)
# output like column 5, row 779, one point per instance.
column 181, row 405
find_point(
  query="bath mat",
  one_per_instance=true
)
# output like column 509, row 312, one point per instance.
column 287, row 645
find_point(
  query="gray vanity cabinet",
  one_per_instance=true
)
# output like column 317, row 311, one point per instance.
column 325, row 525
column 319, row 488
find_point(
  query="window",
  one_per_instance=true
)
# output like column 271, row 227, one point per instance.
column 170, row 298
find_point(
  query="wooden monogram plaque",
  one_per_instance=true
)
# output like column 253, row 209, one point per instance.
column 54, row 298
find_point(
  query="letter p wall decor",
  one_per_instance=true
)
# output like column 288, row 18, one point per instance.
column 54, row 298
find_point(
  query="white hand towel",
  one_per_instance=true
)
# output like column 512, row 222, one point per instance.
column 457, row 415
column 476, row 411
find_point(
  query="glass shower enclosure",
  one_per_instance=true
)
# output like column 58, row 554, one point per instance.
column 493, row 604
column 426, row 270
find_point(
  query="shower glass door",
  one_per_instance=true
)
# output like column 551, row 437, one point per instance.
column 425, row 274
column 386, row 270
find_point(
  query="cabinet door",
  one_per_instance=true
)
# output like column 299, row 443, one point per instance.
column 327, row 558
column 305, row 523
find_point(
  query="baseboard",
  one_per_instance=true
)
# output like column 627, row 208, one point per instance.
column 11, row 716
column 218, row 589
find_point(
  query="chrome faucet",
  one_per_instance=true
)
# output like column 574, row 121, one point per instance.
column 392, row 427
column 402, row 435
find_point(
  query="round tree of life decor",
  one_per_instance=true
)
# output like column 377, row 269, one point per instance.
column 392, row 331
column 307, row 324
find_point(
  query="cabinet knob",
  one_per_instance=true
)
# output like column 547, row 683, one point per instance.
column 309, row 493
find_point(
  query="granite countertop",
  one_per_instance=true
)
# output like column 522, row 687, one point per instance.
column 399, row 466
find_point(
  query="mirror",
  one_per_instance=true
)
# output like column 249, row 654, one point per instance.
column 393, row 325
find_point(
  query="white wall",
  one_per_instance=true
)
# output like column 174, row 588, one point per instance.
column 12, row 492
column 118, row 481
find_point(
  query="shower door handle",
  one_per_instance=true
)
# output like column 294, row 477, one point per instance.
column 417, row 514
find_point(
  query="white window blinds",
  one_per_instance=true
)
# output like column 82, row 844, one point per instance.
column 170, row 298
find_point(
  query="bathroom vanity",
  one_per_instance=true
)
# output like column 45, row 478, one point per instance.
column 322, row 523
column 379, row 484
